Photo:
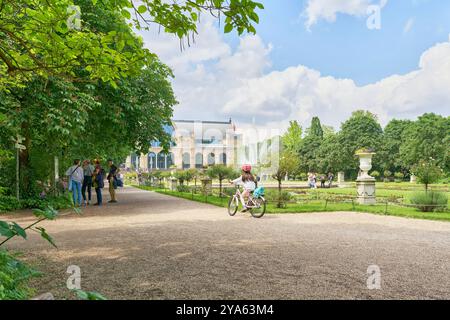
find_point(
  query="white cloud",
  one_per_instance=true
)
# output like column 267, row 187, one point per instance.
column 213, row 81
column 328, row 9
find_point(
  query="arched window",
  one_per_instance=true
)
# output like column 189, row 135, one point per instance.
column 223, row 158
column 198, row 161
column 186, row 160
column 170, row 160
column 161, row 159
column 211, row 159
column 151, row 161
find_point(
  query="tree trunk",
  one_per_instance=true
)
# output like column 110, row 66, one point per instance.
column 279, row 192
column 220, row 187
column 24, row 159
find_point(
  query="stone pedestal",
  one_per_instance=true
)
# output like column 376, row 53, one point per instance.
column 206, row 186
column 365, row 184
column 341, row 180
column 413, row 179
column 366, row 191
column 173, row 183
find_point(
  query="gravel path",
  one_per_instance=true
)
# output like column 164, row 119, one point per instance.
column 151, row 246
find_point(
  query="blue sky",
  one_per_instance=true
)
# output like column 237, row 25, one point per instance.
column 347, row 48
column 315, row 58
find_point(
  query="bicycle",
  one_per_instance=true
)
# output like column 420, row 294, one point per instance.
column 256, row 205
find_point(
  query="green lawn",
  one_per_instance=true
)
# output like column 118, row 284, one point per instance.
column 315, row 206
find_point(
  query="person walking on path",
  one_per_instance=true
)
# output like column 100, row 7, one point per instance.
column 98, row 183
column 88, row 170
column 113, row 171
column 76, row 175
column 330, row 179
column 312, row 180
column 322, row 181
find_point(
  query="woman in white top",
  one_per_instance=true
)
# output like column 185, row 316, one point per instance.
column 76, row 175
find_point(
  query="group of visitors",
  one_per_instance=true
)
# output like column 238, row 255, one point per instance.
column 312, row 180
column 85, row 176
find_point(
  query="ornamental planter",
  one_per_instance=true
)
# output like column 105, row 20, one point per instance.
column 173, row 183
column 206, row 186
column 365, row 184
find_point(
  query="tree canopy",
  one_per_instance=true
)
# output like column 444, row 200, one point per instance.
column 59, row 37
column 77, row 82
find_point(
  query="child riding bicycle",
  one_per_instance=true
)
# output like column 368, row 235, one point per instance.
column 248, row 181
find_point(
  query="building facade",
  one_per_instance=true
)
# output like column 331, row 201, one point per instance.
column 196, row 144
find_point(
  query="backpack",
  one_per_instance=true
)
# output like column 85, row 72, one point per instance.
column 259, row 192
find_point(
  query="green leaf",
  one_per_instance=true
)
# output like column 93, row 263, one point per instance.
column 46, row 236
column 19, row 230
column 142, row 9
column 89, row 295
column 126, row 14
column 228, row 28
column 5, row 230
column 254, row 17
column 49, row 213
column 259, row 5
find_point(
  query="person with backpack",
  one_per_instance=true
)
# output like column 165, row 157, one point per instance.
column 76, row 175
column 98, row 183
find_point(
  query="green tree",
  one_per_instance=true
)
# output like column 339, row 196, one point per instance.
column 310, row 146
column 88, row 119
column 220, row 172
column 428, row 137
column 390, row 147
column 361, row 130
column 427, row 172
column 45, row 37
column 183, row 176
column 330, row 154
column 195, row 174
column 292, row 139
column 288, row 162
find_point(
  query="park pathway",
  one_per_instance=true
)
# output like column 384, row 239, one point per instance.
column 151, row 246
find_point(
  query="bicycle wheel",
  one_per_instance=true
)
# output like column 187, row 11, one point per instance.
column 260, row 208
column 233, row 205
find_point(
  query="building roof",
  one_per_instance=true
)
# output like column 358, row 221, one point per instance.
column 202, row 121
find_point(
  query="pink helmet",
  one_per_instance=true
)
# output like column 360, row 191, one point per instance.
column 247, row 168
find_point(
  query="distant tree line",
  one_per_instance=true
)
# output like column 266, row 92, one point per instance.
column 400, row 146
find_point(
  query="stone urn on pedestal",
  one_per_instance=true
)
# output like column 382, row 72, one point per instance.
column 173, row 184
column 365, row 184
column 206, row 186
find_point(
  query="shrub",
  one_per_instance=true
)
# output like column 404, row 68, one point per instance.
column 183, row 188
column 229, row 191
column 8, row 203
column 14, row 276
column 130, row 177
column 429, row 201
column 282, row 198
column 387, row 174
column 58, row 203
column 399, row 176
column 375, row 174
